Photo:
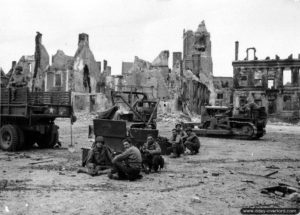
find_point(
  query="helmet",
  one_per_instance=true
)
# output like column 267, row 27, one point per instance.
column 99, row 139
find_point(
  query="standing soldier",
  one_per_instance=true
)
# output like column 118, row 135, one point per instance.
column 192, row 142
column 17, row 80
column 151, row 154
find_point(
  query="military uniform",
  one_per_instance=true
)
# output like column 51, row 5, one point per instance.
column 192, row 143
column 177, row 147
column 128, row 164
column 151, row 155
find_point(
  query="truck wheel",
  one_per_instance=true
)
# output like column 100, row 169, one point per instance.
column 50, row 138
column 9, row 139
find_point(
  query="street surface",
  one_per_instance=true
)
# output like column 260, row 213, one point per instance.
column 226, row 176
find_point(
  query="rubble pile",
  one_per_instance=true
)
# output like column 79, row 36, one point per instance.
column 174, row 117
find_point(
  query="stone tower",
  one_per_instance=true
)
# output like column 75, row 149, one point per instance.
column 197, row 56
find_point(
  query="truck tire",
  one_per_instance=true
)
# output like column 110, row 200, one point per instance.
column 9, row 138
column 50, row 138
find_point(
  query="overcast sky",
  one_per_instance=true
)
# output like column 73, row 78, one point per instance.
column 121, row 29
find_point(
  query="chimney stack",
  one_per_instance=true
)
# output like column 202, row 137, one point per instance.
column 13, row 64
column 83, row 38
column 236, row 50
column 104, row 65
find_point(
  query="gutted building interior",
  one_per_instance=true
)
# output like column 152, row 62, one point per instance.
column 272, row 83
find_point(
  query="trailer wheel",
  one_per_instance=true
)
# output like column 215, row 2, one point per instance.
column 9, row 139
column 50, row 138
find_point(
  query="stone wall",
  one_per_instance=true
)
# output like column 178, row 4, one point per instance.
column 197, row 57
column 85, row 69
column 224, row 90
column 151, row 76
column 263, row 80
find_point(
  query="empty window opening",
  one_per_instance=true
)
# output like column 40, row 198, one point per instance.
column 243, row 80
column 287, row 76
column 86, row 79
column 258, row 78
column 272, row 106
column 271, row 83
column 287, row 103
column 57, row 80
column 251, row 54
column 220, row 96
column 243, row 100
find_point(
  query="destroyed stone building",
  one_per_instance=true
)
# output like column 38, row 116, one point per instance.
column 41, row 64
column 80, row 74
column 150, row 77
column 224, row 91
column 272, row 83
column 198, row 66
column 4, row 78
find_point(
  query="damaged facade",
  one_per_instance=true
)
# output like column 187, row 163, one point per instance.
column 150, row 78
column 80, row 74
column 198, row 88
column 189, row 82
column 224, row 91
column 272, row 83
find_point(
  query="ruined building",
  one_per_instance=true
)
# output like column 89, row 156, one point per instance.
column 41, row 64
column 148, row 77
column 197, row 88
column 224, row 91
column 272, row 83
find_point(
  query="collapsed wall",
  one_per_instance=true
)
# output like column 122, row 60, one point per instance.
column 151, row 77
column 85, row 69
column 197, row 58
column 41, row 58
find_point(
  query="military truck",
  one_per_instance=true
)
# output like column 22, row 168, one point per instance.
column 28, row 117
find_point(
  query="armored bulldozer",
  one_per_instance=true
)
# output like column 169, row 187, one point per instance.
column 220, row 121
column 28, row 117
column 136, row 123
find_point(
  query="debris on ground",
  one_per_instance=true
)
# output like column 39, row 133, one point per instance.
column 272, row 167
column 248, row 181
column 46, row 161
column 3, row 183
column 295, row 197
column 196, row 199
column 272, row 173
column 215, row 174
column 280, row 190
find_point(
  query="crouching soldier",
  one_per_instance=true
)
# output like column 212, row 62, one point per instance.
column 177, row 147
column 151, row 155
column 127, row 166
column 192, row 142
column 99, row 159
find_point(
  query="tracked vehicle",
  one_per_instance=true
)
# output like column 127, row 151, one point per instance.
column 219, row 121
